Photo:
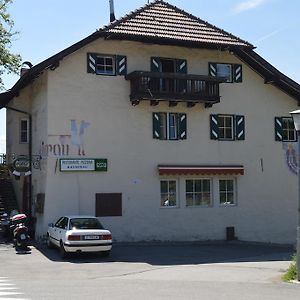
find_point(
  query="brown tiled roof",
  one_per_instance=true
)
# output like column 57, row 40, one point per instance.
column 172, row 26
column 161, row 22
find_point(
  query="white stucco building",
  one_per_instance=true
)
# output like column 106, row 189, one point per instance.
column 165, row 127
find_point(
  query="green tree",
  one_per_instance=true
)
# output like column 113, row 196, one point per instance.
column 9, row 62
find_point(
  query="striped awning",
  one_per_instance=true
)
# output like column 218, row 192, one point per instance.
column 201, row 170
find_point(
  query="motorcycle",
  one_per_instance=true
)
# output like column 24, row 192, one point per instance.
column 20, row 233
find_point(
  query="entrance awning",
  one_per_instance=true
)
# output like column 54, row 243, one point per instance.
column 201, row 170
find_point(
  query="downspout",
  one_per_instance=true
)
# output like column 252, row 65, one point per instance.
column 30, row 156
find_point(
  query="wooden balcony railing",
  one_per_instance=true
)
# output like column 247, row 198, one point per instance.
column 173, row 87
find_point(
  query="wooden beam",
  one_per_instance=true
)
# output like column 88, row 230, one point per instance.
column 172, row 103
column 208, row 105
column 135, row 102
column 154, row 102
column 190, row 104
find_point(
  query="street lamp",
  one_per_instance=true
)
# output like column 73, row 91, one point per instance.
column 296, row 117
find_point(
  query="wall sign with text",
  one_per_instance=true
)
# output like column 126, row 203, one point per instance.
column 85, row 164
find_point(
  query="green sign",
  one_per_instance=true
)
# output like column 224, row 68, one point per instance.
column 101, row 164
column 83, row 164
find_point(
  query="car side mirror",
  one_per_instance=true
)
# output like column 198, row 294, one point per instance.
column 51, row 225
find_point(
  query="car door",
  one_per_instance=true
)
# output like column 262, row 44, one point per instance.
column 55, row 233
column 62, row 230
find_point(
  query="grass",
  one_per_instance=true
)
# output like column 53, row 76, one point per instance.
column 291, row 273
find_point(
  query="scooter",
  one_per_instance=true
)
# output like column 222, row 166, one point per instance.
column 20, row 233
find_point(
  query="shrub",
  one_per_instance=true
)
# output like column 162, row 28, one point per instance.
column 291, row 273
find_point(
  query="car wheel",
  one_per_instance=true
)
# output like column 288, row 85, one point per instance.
column 63, row 253
column 49, row 244
column 105, row 253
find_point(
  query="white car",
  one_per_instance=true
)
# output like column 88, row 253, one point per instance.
column 79, row 234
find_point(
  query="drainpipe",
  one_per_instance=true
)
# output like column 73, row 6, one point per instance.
column 30, row 156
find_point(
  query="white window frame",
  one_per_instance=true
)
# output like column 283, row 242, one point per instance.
column 176, row 193
column 165, row 126
column 210, row 191
column 224, row 128
column 105, row 65
column 21, row 131
column 290, row 128
column 221, row 73
column 234, row 190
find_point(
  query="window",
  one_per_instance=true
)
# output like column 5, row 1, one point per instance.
column 106, row 64
column 225, row 70
column 24, row 131
column 168, row 193
column 227, row 127
column 232, row 72
column 62, row 223
column 285, row 130
column 226, row 191
column 85, row 223
column 168, row 65
column 169, row 126
column 198, row 192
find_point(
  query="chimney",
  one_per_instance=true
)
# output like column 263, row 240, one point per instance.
column 112, row 10
column 26, row 65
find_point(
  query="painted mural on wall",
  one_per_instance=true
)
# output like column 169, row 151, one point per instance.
column 67, row 144
column 290, row 150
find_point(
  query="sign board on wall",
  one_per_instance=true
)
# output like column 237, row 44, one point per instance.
column 84, row 164
column 21, row 166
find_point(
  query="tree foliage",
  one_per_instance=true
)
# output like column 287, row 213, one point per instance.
column 9, row 62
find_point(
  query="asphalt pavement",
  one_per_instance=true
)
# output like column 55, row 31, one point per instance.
column 211, row 270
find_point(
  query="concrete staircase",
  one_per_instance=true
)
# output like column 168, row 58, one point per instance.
column 8, row 200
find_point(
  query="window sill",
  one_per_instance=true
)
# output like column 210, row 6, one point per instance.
column 228, row 204
column 169, row 207
column 199, row 206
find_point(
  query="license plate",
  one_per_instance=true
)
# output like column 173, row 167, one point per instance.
column 23, row 237
column 92, row 237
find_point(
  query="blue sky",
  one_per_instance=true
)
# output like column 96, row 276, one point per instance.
column 46, row 27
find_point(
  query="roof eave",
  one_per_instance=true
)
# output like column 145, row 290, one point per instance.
column 36, row 70
column 269, row 72
column 175, row 42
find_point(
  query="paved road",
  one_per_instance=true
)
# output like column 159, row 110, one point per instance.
column 143, row 271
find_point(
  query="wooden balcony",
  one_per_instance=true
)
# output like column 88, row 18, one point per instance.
column 173, row 87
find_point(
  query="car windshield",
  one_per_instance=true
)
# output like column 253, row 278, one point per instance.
column 85, row 223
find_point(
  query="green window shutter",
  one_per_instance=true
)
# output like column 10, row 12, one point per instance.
column 237, row 73
column 121, row 65
column 181, row 66
column 155, row 64
column 91, row 62
column 156, row 125
column 182, row 127
column 240, row 128
column 278, row 129
column 212, row 69
column 214, row 127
